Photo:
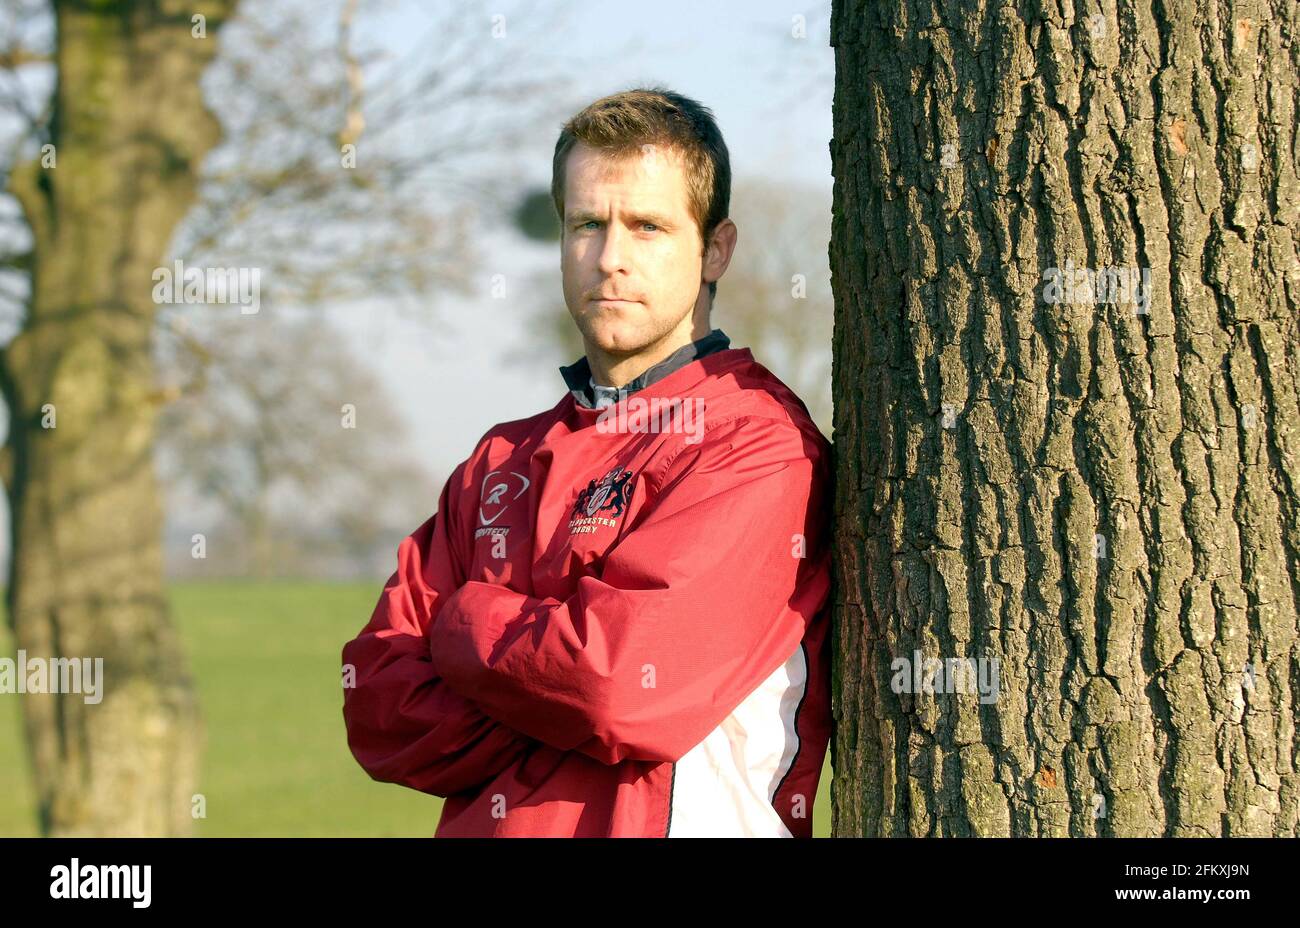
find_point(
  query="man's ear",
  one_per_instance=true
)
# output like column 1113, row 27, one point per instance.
column 717, row 254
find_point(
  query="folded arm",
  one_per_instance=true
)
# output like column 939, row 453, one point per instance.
column 699, row 602
column 404, row 724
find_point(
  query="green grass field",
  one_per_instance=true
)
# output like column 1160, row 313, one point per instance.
column 276, row 763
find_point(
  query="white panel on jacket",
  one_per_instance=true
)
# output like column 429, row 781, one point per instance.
column 723, row 787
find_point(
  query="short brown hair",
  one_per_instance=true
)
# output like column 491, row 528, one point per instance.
column 621, row 123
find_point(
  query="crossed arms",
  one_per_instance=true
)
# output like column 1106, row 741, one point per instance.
column 706, row 593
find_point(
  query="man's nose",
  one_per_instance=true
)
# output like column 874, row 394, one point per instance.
column 611, row 249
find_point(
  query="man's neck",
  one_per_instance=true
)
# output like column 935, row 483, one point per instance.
column 610, row 370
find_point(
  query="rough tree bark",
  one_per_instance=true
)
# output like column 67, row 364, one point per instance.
column 129, row 130
column 1103, row 496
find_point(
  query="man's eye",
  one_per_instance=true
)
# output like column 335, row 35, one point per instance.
column 650, row 224
column 589, row 222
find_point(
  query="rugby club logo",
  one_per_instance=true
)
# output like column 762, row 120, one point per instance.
column 601, row 502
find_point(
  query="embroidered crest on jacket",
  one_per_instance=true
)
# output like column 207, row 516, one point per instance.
column 611, row 494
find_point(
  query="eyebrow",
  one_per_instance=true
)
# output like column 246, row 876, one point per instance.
column 582, row 215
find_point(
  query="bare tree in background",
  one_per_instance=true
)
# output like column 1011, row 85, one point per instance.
column 332, row 201
column 339, row 186
column 330, row 187
column 280, row 444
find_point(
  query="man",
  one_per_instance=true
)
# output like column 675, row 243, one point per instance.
column 613, row 625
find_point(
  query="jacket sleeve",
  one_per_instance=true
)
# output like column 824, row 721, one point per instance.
column 704, row 596
column 404, row 724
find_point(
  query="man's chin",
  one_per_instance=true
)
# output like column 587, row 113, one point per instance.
column 617, row 339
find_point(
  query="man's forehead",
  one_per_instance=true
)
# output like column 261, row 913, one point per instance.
column 652, row 169
column 648, row 163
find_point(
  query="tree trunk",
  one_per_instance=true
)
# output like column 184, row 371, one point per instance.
column 1102, row 495
column 129, row 130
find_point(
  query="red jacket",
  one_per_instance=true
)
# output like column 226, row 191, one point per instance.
column 613, row 625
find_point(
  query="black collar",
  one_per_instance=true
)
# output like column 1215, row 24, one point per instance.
column 578, row 374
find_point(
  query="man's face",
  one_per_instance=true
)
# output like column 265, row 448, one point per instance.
column 631, row 251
